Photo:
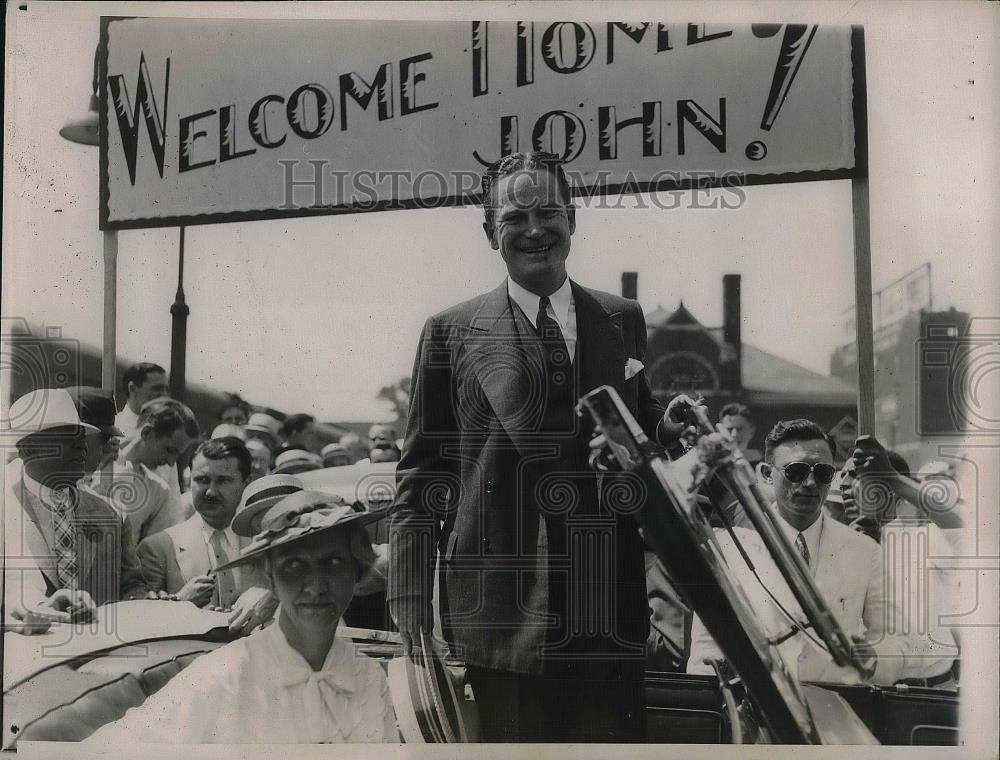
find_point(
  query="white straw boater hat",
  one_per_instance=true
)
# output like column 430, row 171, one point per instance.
column 261, row 495
column 298, row 516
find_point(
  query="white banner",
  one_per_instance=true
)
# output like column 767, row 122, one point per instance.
column 223, row 120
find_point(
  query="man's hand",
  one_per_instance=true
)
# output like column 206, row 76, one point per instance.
column 865, row 657
column 676, row 427
column 77, row 605
column 29, row 623
column 161, row 596
column 254, row 608
column 411, row 616
column 64, row 606
column 871, row 460
column 198, row 590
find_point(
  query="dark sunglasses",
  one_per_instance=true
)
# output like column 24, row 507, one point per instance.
column 797, row 472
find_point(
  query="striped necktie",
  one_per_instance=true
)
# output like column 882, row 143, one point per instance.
column 64, row 524
column 800, row 544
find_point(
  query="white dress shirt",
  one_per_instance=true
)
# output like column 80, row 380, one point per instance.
column 259, row 690
column 848, row 571
column 812, row 536
column 128, row 422
column 561, row 308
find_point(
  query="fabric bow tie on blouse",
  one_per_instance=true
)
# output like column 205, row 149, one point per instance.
column 325, row 695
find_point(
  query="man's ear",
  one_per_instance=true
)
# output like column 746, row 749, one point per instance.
column 766, row 471
column 571, row 218
column 145, row 431
column 491, row 236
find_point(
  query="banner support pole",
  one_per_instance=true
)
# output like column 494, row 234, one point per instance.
column 861, row 212
column 109, row 367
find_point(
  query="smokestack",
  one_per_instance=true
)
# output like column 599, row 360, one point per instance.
column 630, row 285
column 731, row 329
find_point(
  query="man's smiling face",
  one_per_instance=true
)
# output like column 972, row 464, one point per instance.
column 532, row 230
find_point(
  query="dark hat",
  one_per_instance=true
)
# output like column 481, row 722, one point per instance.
column 96, row 407
column 298, row 516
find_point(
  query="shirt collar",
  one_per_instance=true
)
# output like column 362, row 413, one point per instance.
column 560, row 301
column 338, row 668
column 44, row 494
column 810, row 534
column 207, row 531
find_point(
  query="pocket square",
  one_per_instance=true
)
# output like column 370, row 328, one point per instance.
column 632, row 368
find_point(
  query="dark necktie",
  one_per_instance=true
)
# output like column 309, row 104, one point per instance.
column 556, row 354
column 800, row 544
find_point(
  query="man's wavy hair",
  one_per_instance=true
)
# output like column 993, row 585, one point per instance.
column 166, row 416
column 511, row 164
column 796, row 430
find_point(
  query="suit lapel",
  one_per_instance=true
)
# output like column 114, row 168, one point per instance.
column 92, row 525
column 23, row 535
column 829, row 576
column 190, row 551
column 599, row 342
column 509, row 369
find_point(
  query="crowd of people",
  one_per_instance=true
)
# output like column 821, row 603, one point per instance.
column 479, row 534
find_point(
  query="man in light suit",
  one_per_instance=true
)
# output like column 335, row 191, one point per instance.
column 542, row 586
column 181, row 559
column 57, row 535
column 846, row 566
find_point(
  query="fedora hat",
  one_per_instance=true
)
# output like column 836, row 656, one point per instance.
column 261, row 495
column 96, row 407
column 44, row 409
column 299, row 516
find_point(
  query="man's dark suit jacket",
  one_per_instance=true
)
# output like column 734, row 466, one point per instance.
column 469, row 484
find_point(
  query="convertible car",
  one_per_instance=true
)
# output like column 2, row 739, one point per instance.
column 63, row 685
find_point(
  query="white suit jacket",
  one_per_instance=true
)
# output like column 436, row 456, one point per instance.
column 174, row 556
column 849, row 574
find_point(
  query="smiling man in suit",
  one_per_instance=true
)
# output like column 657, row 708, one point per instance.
column 542, row 580
column 846, row 566
column 182, row 559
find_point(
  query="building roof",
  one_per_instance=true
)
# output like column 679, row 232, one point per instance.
column 766, row 378
column 765, row 374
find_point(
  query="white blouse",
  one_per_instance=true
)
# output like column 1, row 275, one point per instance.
column 259, row 690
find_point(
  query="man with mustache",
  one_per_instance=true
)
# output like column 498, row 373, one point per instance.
column 181, row 560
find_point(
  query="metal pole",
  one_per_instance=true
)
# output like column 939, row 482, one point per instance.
column 862, row 242
column 109, row 369
column 178, row 338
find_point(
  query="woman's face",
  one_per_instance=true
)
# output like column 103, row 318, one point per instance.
column 314, row 580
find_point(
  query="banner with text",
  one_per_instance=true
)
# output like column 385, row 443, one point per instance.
column 226, row 120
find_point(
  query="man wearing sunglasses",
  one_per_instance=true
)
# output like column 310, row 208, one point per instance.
column 845, row 565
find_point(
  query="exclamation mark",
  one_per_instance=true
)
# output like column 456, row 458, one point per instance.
column 794, row 45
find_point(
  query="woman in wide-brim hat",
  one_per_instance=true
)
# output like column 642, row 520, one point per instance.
column 294, row 681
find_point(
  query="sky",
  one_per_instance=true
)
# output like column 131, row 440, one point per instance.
column 316, row 314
